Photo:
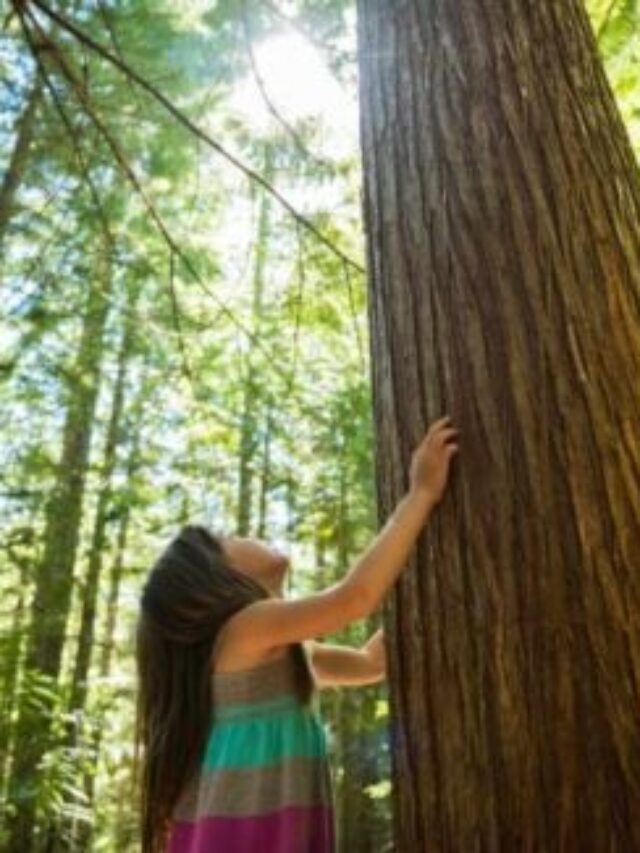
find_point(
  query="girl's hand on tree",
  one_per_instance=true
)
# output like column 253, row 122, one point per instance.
column 431, row 459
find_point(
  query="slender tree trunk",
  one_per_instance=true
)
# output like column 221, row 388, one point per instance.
column 291, row 516
column 265, row 474
column 54, row 579
column 83, row 833
column 352, row 828
column 250, row 405
column 372, row 738
column 344, row 543
column 25, row 128
column 357, row 829
column 502, row 207
column 350, row 710
column 11, row 647
column 77, row 733
column 98, row 538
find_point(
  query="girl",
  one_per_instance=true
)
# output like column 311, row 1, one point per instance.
column 234, row 758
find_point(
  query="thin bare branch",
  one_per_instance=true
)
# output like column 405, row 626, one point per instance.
column 81, row 93
column 126, row 69
column 175, row 311
column 130, row 174
column 36, row 49
column 275, row 112
column 606, row 20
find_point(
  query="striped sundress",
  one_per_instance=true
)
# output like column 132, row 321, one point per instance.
column 264, row 785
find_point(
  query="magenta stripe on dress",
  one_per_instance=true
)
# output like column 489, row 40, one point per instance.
column 296, row 829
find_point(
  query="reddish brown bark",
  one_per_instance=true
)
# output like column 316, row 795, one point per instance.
column 502, row 206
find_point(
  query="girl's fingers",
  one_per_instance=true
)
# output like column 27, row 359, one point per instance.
column 448, row 434
column 439, row 423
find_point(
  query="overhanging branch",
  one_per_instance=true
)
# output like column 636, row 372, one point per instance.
column 184, row 120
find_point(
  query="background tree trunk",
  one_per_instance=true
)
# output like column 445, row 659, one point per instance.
column 358, row 831
column 502, row 204
column 78, row 732
column 83, row 833
column 249, row 439
column 52, row 597
column 98, row 538
column 25, row 128
column 265, row 473
column 11, row 646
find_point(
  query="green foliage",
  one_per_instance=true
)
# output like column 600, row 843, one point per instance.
column 197, row 345
column 617, row 26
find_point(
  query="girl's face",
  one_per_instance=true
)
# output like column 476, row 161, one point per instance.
column 259, row 560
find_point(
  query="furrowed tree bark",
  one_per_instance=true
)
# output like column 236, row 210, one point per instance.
column 52, row 596
column 502, row 208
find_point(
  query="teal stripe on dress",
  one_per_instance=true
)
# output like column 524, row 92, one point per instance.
column 267, row 739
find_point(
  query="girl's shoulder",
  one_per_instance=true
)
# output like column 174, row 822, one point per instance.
column 228, row 657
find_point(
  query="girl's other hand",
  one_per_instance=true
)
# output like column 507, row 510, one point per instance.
column 377, row 653
column 430, row 460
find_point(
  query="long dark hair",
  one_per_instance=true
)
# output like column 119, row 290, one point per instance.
column 187, row 597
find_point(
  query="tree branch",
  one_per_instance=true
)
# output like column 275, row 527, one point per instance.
column 131, row 176
column 606, row 20
column 275, row 112
column 126, row 69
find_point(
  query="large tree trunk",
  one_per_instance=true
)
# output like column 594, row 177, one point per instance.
column 52, row 597
column 502, row 205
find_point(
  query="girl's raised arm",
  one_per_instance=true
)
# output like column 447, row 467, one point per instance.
column 276, row 622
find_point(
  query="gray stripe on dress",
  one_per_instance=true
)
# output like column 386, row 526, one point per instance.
column 256, row 790
column 271, row 679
